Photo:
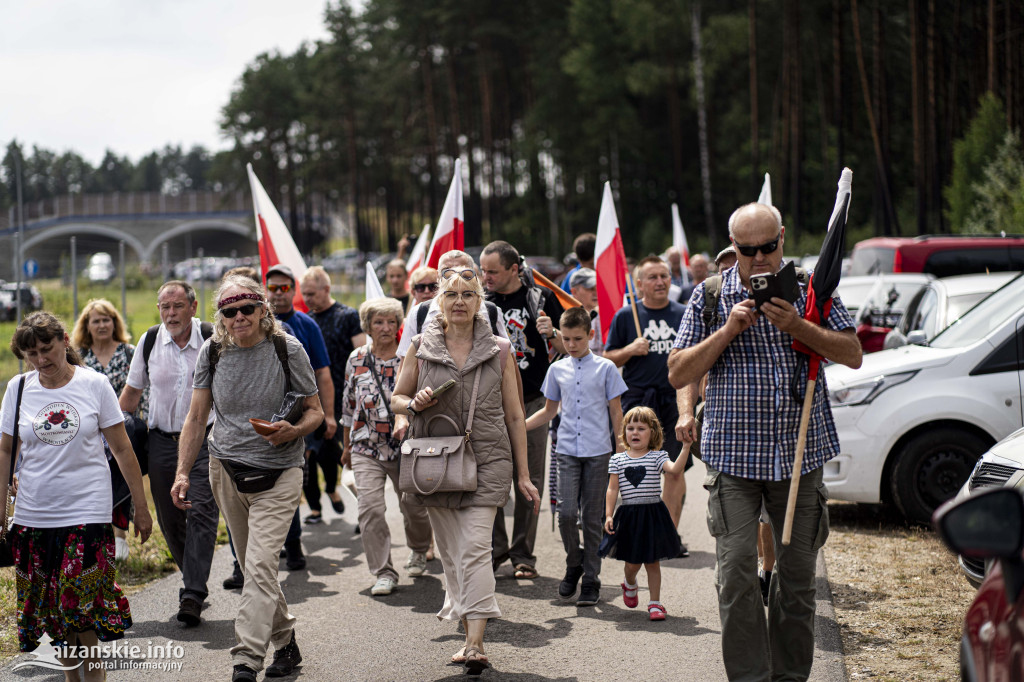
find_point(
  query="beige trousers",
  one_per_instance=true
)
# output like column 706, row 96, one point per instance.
column 370, row 475
column 463, row 539
column 259, row 523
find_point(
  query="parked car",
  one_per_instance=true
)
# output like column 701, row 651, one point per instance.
column 940, row 303
column 939, row 255
column 1002, row 465
column 912, row 421
column 31, row 299
column 989, row 526
column 100, row 268
column 854, row 291
column 883, row 306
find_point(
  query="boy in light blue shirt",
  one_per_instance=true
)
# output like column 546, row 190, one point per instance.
column 588, row 389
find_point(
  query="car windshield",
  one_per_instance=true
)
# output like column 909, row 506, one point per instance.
column 877, row 302
column 958, row 305
column 986, row 316
column 871, row 261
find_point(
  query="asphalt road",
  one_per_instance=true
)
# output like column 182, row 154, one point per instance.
column 345, row 634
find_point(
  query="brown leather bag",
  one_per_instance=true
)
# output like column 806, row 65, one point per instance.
column 440, row 464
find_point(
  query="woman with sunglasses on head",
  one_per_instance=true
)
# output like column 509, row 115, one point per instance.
column 62, row 539
column 100, row 336
column 243, row 372
column 458, row 345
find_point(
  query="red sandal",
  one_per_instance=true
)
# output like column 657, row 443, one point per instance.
column 657, row 611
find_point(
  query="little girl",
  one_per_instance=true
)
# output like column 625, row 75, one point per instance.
column 642, row 528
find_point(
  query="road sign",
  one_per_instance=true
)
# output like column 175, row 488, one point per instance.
column 30, row 267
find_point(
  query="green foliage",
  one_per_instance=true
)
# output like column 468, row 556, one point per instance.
column 1000, row 192
column 971, row 154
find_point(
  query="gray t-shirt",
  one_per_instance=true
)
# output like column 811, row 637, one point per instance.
column 249, row 383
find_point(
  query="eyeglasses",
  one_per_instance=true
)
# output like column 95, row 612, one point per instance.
column 247, row 309
column 429, row 286
column 466, row 274
column 766, row 248
column 274, row 288
column 464, row 295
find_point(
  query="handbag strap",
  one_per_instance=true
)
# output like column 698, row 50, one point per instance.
column 14, row 445
column 472, row 403
column 380, row 386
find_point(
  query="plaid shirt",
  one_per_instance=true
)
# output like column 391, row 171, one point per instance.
column 751, row 418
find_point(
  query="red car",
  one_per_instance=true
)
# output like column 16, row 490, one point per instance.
column 942, row 256
column 989, row 525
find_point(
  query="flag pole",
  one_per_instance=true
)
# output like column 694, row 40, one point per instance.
column 632, row 304
column 798, row 461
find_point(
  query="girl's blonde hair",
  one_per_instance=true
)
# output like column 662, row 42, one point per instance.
column 81, row 337
column 644, row 415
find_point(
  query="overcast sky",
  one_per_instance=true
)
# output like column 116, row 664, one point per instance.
column 134, row 75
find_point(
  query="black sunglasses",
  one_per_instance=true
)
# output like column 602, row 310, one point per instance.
column 247, row 309
column 430, row 286
column 766, row 248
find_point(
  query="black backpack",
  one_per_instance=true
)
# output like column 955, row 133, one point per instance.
column 205, row 329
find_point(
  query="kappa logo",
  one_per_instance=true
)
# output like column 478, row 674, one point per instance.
column 659, row 332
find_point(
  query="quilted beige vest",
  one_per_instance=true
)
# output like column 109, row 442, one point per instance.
column 489, row 438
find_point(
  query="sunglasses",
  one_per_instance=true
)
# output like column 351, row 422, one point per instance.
column 430, row 286
column 466, row 274
column 274, row 288
column 464, row 295
column 247, row 309
column 766, row 248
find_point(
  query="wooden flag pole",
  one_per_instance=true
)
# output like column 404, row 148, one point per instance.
column 798, row 462
column 632, row 303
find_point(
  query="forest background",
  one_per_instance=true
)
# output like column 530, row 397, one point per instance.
column 672, row 101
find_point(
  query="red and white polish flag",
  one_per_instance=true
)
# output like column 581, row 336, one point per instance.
column 275, row 242
column 610, row 263
column 449, row 235
column 679, row 241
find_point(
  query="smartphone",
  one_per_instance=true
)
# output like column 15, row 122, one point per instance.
column 782, row 284
column 443, row 387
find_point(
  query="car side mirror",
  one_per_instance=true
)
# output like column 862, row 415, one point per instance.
column 917, row 338
column 987, row 525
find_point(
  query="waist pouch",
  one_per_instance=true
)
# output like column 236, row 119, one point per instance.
column 250, row 479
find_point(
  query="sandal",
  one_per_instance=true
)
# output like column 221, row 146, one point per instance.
column 656, row 611
column 476, row 661
column 526, row 572
column 460, row 656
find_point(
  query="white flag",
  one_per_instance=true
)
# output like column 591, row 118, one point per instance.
column 766, row 191
column 373, row 287
column 679, row 241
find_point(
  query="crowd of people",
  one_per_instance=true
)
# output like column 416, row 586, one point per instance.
column 246, row 413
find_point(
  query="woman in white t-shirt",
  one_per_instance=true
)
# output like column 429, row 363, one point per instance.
column 62, row 538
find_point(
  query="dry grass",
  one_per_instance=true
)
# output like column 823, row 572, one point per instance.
column 899, row 596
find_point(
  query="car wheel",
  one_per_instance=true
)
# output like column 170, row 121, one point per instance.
column 931, row 469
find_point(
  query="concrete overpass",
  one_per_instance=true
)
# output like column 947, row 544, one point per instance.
column 221, row 223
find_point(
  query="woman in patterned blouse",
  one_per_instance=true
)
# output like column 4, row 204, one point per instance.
column 371, row 447
column 101, row 337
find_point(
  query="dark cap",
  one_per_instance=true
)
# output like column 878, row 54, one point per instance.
column 281, row 269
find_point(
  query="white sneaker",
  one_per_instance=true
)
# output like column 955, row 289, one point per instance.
column 417, row 564
column 383, row 586
column 121, row 549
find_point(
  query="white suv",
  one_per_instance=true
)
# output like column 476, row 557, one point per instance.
column 913, row 421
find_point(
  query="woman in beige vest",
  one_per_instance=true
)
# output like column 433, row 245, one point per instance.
column 456, row 345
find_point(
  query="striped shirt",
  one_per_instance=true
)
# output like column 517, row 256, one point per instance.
column 640, row 477
column 752, row 416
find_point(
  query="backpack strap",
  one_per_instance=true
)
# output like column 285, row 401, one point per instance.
column 492, row 315
column 712, row 292
column 504, row 350
column 147, row 345
column 281, row 347
column 421, row 316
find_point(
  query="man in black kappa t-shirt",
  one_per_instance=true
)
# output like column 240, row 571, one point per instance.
column 530, row 314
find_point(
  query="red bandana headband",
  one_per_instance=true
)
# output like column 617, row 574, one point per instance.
column 238, row 297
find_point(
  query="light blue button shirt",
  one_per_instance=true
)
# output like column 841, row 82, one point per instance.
column 584, row 387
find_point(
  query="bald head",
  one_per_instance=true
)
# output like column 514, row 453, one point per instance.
column 455, row 259
column 757, row 213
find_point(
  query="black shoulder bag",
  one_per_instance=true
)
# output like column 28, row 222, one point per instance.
column 6, row 555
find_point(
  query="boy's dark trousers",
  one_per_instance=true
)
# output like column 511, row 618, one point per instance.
column 582, row 483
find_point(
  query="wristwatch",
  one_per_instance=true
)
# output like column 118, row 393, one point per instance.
column 410, row 410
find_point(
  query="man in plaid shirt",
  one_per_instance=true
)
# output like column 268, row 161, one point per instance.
column 748, row 442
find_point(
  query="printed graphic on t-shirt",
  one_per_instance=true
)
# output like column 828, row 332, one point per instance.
column 515, row 325
column 661, row 336
column 56, row 424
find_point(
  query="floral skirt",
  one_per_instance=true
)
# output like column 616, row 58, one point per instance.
column 66, row 583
